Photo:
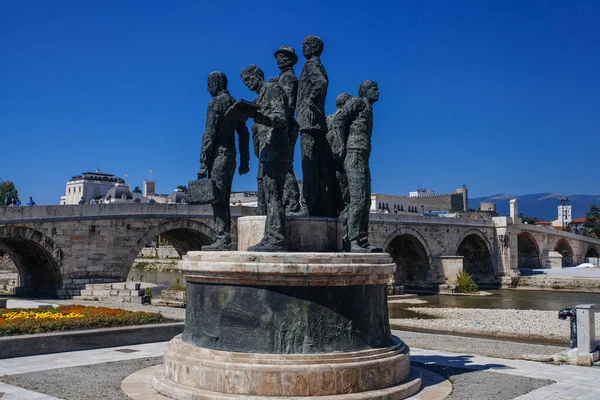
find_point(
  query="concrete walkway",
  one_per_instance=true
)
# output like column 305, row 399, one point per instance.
column 572, row 382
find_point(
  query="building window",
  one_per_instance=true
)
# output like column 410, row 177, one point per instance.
column 79, row 189
column 69, row 190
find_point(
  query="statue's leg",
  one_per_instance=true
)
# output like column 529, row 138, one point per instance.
column 325, row 160
column 260, row 200
column 367, row 210
column 343, row 203
column 222, row 174
column 355, row 176
column 366, row 203
column 309, row 172
column 273, row 181
column 291, row 192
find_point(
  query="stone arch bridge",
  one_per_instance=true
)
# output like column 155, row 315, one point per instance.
column 58, row 249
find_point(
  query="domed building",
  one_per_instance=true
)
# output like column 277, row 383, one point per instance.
column 178, row 196
column 118, row 194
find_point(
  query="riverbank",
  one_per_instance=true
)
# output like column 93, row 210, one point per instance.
column 524, row 325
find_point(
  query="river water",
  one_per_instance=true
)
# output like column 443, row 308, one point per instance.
column 515, row 299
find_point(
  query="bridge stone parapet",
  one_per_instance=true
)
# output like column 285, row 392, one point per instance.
column 59, row 249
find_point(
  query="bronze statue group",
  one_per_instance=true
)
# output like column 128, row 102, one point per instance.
column 335, row 149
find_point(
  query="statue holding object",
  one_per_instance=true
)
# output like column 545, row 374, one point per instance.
column 271, row 117
column 217, row 157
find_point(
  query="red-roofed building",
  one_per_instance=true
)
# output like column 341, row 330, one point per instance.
column 577, row 226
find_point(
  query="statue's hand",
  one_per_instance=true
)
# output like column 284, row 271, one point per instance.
column 243, row 169
column 203, row 173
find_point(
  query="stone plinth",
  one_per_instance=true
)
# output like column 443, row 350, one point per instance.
column 451, row 266
column 551, row 259
column 287, row 325
column 303, row 233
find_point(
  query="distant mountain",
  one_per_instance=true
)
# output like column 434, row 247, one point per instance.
column 541, row 205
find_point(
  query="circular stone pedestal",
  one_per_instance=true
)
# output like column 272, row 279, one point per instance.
column 286, row 325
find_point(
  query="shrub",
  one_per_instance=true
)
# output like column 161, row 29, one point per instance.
column 178, row 286
column 465, row 283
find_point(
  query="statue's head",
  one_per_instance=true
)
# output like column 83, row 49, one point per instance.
column 369, row 90
column 286, row 57
column 253, row 77
column 312, row 46
column 217, row 82
column 342, row 99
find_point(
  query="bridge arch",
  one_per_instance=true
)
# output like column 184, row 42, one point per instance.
column 592, row 251
column 528, row 251
column 184, row 234
column 565, row 250
column 475, row 249
column 412, row 256
column 38, row 260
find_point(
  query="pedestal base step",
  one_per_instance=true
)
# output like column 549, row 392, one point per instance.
column 138, row 386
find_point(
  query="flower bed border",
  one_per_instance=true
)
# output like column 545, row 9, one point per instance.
column 58, row 342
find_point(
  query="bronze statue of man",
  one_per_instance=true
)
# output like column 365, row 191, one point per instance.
column 271, row 121
column 217, row 156
column 338, row 196
column 286, row 59
column 312, row 91
column 353, row 127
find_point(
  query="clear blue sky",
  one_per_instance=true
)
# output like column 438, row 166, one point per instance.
column 502, row 96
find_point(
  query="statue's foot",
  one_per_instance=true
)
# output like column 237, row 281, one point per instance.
column 218, row 245
column 268, row 247
column 373, row 249
column 357, row 248
column 301, row 213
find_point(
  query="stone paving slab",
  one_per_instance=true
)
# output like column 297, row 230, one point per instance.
column 10, row 392
column 572, row 382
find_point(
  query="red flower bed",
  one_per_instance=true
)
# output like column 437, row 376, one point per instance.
column 68, row 318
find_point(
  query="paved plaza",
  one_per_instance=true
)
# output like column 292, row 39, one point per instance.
column 95, row 374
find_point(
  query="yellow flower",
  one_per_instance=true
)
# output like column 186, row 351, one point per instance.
column 38, row 315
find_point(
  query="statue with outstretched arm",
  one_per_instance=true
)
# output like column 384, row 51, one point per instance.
column 269, row 111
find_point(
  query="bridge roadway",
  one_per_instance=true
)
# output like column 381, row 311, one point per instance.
column 58, row 249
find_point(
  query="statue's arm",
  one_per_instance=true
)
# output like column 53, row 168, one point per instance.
column 341, row 125
column 256, row 141
column 290, row 86
column 274, row 114
column 319, row 80
column 244, row 144
column 213, row 120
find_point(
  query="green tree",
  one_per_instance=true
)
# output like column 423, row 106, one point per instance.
column 528, row 220
column 7, row 190
column 592, row 222
column 183, row 188
column 137, row 190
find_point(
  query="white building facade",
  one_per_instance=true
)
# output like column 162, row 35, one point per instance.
column 89, row 185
